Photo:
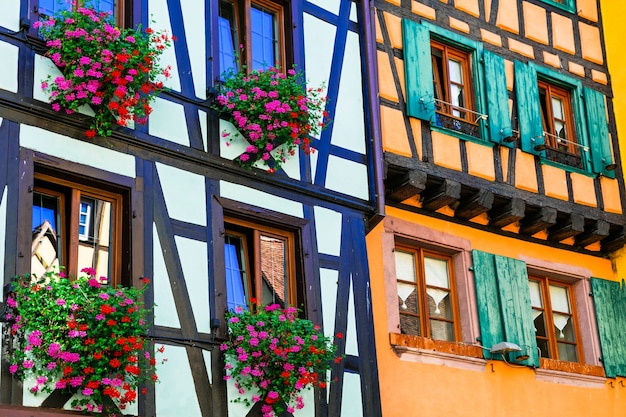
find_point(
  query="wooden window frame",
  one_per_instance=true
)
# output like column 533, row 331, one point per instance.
column 547, row 112
column 544, row 284
column 122, row 11
column 419, row 253
column 70, row 189
column 448, row 53
column 244, row 37
column 254, row 275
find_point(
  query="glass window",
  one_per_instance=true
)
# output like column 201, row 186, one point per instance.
column 426, row 297
column 554, row 319
column 251, row 34
column 51, row 7
column 558, row 125
column 76, row 226
column 454, row 103
column 260, row 264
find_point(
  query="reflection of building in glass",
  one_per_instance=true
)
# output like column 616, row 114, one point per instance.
column 44, row 255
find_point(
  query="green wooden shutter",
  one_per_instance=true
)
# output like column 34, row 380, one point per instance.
column 504, row 308
column 528, row 108
column 497, row 98
column 609, row 299
column 516, row 308
column 601, row 155
column 487, row 300
column 418, row 71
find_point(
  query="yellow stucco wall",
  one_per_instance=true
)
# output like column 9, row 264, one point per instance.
column 614, row 35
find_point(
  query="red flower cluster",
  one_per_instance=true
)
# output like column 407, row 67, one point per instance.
column 274, row 112
column 113, row 71
column 94, row 340
column 276, row 354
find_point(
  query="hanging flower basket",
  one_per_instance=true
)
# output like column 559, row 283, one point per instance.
column 274, row 354
column 274, row 112
column 80, row 337
column 114, row 71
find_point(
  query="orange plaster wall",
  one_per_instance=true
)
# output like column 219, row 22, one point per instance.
column 410, row 388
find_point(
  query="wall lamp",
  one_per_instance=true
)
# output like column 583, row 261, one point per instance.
column 507, row 347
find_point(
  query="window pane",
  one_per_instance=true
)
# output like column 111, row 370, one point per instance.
column 264, row 38
column 84, row 219
column 50, row 7
column 228, row 44
column 439, row 303
column 408, row 300
column 441, row 330
column 544, row 348
column 274, row 270
column 94, row 248
column 236, row 274
column 46, row 246
column 559, row 299
column 405, row 266
column 456, row 71
column 567, row 352
column 410, row 325
column 535, row 294
column 104, row 6
column 563, row 327
column 436, row 271
column 540, row 323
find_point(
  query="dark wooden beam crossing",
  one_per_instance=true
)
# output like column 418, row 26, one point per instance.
column 406, row 186
column 476, row 204
column 598, row 230
column 541, row 220
column 447, row 193
column 614, row 241
column 511, row 212
column 573, row 225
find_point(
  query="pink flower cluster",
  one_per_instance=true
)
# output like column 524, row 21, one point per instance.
column 274, row 112
column 112, row 70
column 275, row 354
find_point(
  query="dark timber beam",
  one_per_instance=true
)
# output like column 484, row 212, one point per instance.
column 436, row 197
column 509, row 213
column 406, row 186
column 541, row 220
column 614, row 241
column 474, row 205
column 593, row 233
column 573, row 225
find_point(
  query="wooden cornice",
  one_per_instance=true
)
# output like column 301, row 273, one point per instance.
column 469, row 196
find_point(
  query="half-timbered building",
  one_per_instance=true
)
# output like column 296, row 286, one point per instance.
column 498, row 292
column 168, row 201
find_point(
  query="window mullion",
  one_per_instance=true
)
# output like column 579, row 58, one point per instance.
column 421, row 292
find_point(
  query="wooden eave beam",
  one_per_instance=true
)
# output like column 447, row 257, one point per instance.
column 436, row 197
column 573, row 225
column 406, row 186
column 476, row 204
column 596, row 231
column 541, row 220
column 509, row 213
column 614, row 241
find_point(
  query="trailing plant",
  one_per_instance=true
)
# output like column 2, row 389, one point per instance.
column 114, row 71
column 81, row 337
column 275, row 354
column 273, row 111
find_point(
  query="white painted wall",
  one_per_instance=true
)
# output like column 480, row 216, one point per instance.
column 184, row 194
